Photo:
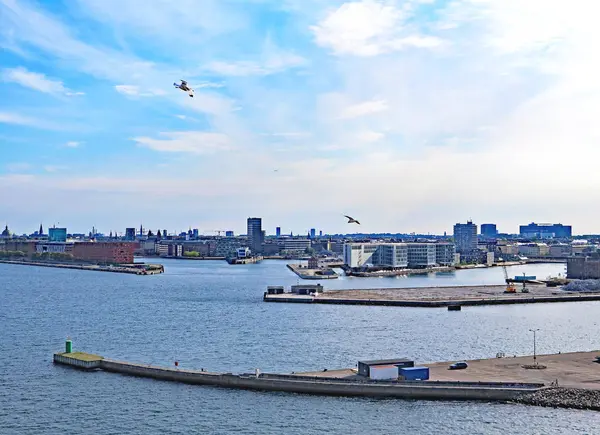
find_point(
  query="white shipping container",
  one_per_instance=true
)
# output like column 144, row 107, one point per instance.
column 383, row 372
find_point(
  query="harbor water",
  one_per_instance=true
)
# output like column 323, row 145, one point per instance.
column 208, row 314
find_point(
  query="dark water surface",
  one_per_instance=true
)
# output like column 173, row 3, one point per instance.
column 211, row 315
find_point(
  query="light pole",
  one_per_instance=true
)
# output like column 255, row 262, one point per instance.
column 534, row 353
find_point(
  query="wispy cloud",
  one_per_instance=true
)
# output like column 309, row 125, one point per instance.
column 18, row 167
column 54, row 168
column 364, row 108
column 136, row 91
column 272, row 65
column 369, row 28
column 36, row 81
column 73, row 144
column 192, row 142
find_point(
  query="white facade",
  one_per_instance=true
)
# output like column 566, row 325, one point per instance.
column 296, row 245
column 399, row 255
column 383, row 372
column 421, row 255
column 377, row 254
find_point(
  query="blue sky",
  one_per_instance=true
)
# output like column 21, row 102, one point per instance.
column 411, row 115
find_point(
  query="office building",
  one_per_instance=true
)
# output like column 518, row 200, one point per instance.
column 399, row 255
column 278, row 232
column 129, row 233
column 313, row 233
column 465, row 237
column 489, row 230
column 445, row 254
column 57, row 235
column 255, row 235
column 295, row 245
column 545, row 231
column 228, row 233
column 421, row 255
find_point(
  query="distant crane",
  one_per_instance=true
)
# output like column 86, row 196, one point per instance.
column 216, row 231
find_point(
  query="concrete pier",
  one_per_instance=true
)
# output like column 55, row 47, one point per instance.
column 435, row 297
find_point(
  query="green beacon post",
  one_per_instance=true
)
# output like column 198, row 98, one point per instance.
column 68, row 346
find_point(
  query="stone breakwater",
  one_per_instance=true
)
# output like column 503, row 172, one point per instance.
column 573, row 398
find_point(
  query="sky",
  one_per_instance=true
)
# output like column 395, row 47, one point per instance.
column 408, row 115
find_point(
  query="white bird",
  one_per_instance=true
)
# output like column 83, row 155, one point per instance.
column 351, row 220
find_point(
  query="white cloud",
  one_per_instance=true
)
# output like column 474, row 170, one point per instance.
column 73, row 144
column 364, row 108
column 208, row 85
column 369, row 28
column 136, row 91
column 192, row 142
column 370, row 136
column 54, row 168
column 272, row 65
column 36, row 81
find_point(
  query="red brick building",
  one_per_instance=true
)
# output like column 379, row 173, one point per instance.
column 104, row 252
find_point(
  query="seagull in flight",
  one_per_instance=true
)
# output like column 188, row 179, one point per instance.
column 351, row 220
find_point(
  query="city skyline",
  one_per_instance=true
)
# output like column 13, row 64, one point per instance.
column 409, row 115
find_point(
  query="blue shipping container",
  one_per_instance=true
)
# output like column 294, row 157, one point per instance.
column 414, row 373
column 525, row 278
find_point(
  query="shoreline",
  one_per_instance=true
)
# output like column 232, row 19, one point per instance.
column 155, row 269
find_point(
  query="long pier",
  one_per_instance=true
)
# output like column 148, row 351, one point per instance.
column 316, row 385
column 153, row 269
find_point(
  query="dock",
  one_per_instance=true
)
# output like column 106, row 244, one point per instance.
column 306, row 273
column 135, row 269
column 499, row 379
column 435, row 297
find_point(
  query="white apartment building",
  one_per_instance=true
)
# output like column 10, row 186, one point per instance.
column 399, row 255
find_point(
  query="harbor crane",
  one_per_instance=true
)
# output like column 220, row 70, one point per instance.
column 510, row 287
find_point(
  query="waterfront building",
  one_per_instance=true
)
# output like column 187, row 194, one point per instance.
column 57, row 234
column 583, row 268
column 226, row 246
column 489, row 230
column 445, row 254
column 465, row 237
column 399, row 255
column 255, row 235
column 545, row 231
column 421, row 255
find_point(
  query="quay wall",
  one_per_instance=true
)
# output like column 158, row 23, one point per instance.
column 96, row 268
column 87, row 365
column 323, row 387
column 433, row 304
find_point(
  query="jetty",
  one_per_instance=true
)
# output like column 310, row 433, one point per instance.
column 499, row 379
column 135, row 268
column 435, row 297
column 308, row 273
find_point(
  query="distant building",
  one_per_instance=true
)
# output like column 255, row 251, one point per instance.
column 489, row 230
column 545, row 231
column 465, row 237
column 195, row 233
column 534, row 250
column 57, row 234
column 228, row 233
column 278, row 232
column 313, row 233
column 226, row 246
column 255, row 235
column 320, row 233
column 399, row 255
column 5, row 233
column 129, row 233
column 583, row 268
column 296, row 245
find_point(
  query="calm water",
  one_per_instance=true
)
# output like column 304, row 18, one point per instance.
column 211, row 315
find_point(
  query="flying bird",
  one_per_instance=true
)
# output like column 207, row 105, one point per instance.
column 185, row 87
column 351, row 220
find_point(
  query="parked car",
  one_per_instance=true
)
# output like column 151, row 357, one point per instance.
column 458, row 366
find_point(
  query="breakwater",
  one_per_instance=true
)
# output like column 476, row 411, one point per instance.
column 422, row 390
column 141, row 269
column 306, row 273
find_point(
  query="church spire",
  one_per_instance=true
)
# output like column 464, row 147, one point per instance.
column 41, row 230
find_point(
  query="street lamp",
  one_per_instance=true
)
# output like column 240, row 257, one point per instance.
column 534, row 353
